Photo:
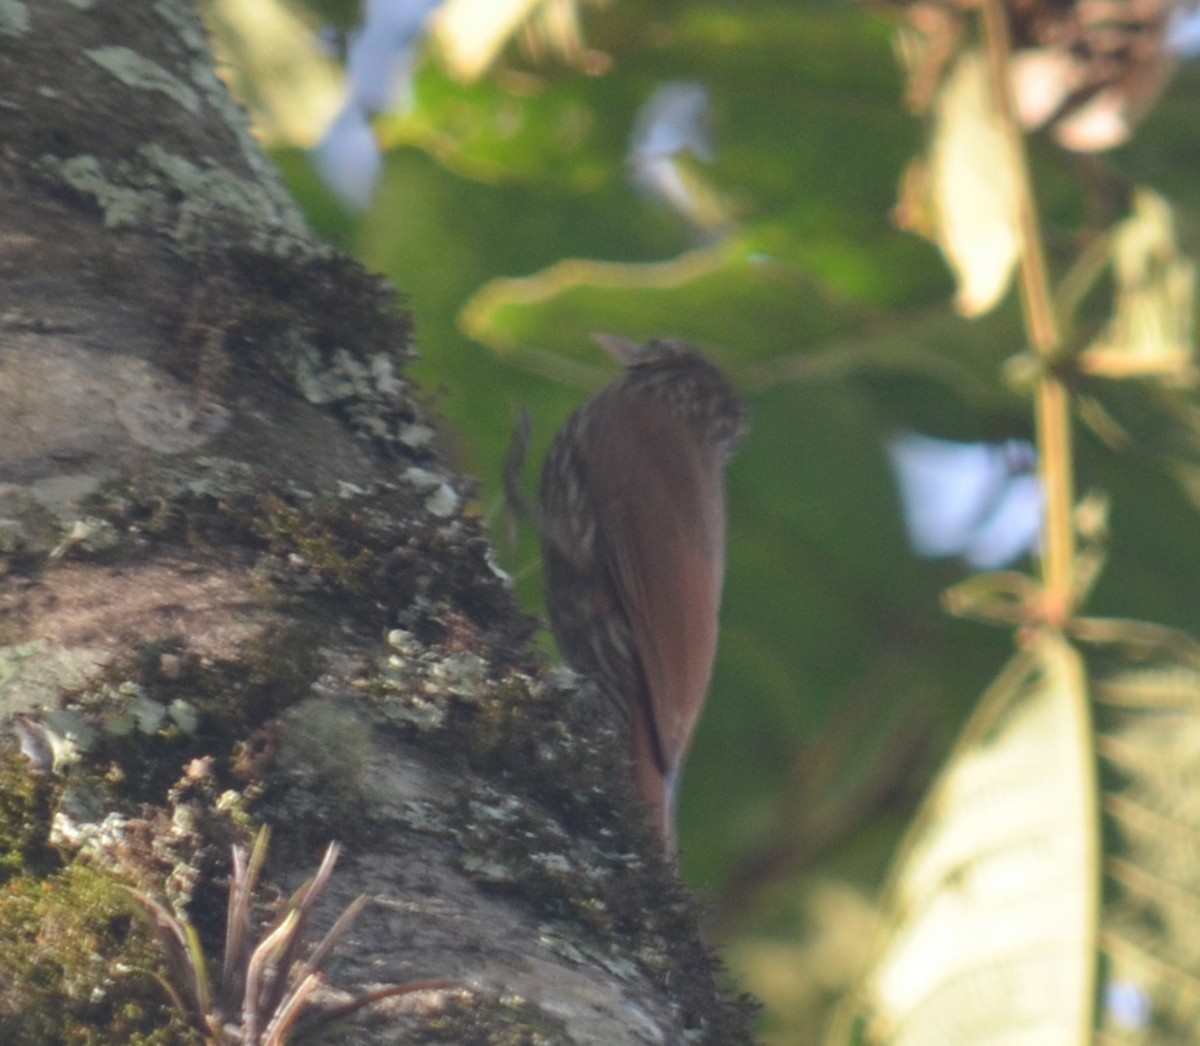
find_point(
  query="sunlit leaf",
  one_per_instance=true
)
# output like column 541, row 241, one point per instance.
column 1146, row 688
column 700, row 294
column 972, row 185
column 277, row 69
column 993, row 929
column 472, row 33
column 991, row 912
column 1151, row 332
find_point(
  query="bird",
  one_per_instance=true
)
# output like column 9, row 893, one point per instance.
column 633, row 518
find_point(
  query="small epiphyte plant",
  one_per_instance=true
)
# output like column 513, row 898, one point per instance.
column 264, row 987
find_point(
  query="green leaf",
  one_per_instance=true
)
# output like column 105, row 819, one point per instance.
column 1146, row 689
column 1078, row 777
column 990, row 916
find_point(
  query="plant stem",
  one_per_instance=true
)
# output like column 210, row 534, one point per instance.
column 1052, row 401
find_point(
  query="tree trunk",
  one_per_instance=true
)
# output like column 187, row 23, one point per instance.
column 239, row 587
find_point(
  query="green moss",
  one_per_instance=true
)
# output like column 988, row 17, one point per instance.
column 74, row 964
column 148, row 721
column 559, row 826
column 312, row 789
column 360, row 553
column 506, row 1021
column 29, row 534
column 332, row 545
column 369, row 555
column 24, row 817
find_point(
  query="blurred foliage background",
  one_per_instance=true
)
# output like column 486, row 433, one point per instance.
column 506, row 212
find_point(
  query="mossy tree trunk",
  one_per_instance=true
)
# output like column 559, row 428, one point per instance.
column 239, row 587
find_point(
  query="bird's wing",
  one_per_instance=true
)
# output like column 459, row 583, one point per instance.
column 660, row 507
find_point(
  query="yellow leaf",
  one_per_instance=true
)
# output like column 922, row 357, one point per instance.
column 973, row 183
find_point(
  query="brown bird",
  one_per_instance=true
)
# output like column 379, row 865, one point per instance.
column 632, row 512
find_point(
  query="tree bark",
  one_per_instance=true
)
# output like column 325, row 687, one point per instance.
column 239, row 587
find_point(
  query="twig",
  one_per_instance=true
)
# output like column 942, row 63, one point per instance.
column 1052, row 404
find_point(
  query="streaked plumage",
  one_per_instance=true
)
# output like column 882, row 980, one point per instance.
column 633, row 547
